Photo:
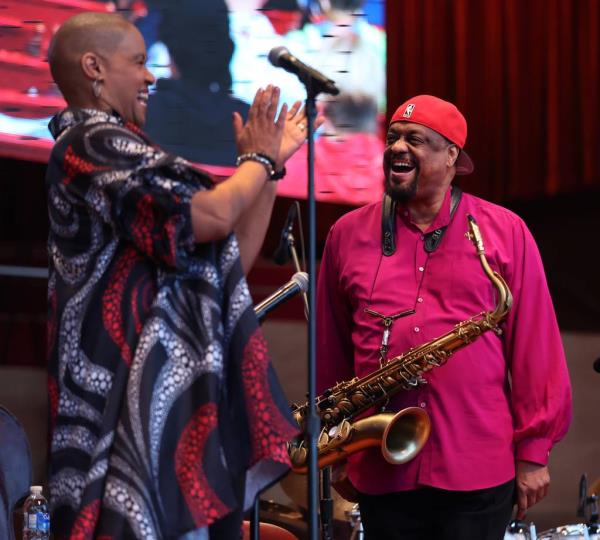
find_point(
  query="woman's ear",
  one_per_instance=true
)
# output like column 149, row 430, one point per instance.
column 92, row 67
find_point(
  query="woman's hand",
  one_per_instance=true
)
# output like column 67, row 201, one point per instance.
column 294, row 132
column 261, row 133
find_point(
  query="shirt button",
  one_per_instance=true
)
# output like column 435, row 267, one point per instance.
column 422, row 404
column 420, row 300
column 417, row 329
column 421, row 269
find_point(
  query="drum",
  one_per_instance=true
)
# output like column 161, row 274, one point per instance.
column 519, row 530
column 571, row 532
column 268, row 531
column 295, row 486
column 353, row 516
column 286, row 517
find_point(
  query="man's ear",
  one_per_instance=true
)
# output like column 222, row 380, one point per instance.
column 92, row 66
column 453, row 152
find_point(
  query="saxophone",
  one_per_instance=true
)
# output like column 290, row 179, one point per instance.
column 400, row 435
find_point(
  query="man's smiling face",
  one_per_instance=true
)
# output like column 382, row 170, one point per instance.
column 416, row 161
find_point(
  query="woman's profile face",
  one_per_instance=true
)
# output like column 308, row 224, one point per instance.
column 126, row 78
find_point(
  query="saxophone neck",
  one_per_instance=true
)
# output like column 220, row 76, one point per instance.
column 504, row 301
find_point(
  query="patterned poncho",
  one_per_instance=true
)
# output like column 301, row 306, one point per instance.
column 161, row 389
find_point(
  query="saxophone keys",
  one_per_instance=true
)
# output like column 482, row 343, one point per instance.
column 323, row 439
column 325, row 403
column 434, row 361
column 340, row 432
column 298, row 456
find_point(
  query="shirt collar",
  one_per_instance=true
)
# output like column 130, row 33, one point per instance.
column 442, row 218
column 72, row 116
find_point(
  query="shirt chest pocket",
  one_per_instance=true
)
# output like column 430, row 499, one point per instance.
column 463, row 284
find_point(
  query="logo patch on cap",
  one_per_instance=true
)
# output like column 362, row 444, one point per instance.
column 409, row 110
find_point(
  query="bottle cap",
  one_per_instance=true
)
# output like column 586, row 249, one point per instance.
column 35, row 489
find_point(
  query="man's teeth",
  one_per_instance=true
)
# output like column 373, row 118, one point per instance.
column 143, row 97
column 402, row 165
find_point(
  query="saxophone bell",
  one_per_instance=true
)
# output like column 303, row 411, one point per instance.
column 400, row 435
column 405, row 435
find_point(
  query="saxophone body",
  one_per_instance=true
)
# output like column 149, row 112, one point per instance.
column 400, row 435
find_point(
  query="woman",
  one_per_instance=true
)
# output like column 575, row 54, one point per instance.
column 166, row 415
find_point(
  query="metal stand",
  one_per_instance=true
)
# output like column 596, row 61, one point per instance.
column 312, row 423
column 292, row 247
column 255, row 519
column 326, row 505
column 314, row 86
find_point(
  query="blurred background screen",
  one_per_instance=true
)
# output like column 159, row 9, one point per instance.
column 209, row 58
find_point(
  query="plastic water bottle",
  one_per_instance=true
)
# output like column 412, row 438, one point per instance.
column 36, row 519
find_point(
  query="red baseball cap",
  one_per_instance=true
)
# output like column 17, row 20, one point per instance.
column 441, row 116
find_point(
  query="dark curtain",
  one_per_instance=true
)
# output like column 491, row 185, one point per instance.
column 526, row 75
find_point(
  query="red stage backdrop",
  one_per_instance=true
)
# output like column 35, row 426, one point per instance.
column 524, row 73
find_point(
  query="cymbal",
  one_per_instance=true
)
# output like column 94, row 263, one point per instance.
column 295, row 486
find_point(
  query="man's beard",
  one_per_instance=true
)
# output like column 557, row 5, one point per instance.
column 401, row 194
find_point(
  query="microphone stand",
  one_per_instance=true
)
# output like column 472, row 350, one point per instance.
column 313, row 88
column 326, row 505
column 313, row 424
column 291, row 243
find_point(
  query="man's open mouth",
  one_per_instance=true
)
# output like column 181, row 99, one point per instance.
column 402, row 166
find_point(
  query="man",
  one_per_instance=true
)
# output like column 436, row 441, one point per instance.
column 166, row 415
column 499, row 404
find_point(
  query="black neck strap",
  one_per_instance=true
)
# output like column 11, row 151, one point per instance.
column 388, row 225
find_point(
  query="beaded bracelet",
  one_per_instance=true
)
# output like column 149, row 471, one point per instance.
column 278, row 175
column 267, row 162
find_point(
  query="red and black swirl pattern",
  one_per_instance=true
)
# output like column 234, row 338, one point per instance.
column 160, row 384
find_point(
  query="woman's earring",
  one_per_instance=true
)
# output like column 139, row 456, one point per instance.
column 97, row 88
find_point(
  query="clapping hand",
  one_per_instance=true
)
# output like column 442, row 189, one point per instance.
column 262, row 133
column 294, row 132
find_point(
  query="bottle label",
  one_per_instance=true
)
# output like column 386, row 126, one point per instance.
column 43, row 522
column 38, row 521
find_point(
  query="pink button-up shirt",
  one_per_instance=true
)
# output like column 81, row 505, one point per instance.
column 494, row 401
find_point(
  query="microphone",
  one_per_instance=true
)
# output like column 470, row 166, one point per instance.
column 282, row 253
column 298, row 283
column 597, row 365
column 281, row 57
